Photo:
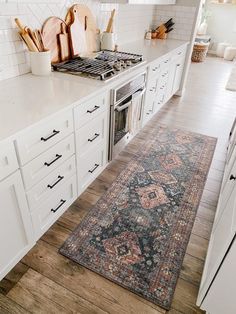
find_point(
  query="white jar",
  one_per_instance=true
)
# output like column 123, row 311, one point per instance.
column 230, row 53
column 221, row 49
column 107, row 41
column 40, row 63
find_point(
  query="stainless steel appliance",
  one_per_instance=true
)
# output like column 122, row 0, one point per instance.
column 104, row 65
column 126, row 113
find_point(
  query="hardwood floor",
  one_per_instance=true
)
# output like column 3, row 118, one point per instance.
column 46, row 282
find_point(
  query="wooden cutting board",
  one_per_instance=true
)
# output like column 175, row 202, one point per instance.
column 88, row 23
column 77, row 35
column 64, row 43
column 50, row 32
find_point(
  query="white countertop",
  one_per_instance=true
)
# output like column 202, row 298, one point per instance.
column 27, row 99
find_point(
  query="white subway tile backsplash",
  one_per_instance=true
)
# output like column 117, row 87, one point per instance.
column 130, row 24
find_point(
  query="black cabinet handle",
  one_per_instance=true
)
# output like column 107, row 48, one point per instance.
column 94, row 109
column 50, row 163
column 96, row 135
column 96, row 166
column 232, row 177
column 59, row 179
column 54, row 132
column 62, row 202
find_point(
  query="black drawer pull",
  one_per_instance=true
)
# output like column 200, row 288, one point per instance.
column 232, row 177
column 62, row 202
column 96, row 166
column 50, row 163
column 96, row 135
column 94, row 109
column 54, row 132
column 59, row 180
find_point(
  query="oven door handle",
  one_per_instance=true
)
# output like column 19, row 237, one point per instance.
column 139, row 93
column 121, row 108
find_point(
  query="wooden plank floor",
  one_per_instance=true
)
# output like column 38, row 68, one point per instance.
column 46, row 282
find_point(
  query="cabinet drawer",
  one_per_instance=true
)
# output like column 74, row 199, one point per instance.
column 90, row 109
column 43, row 136
column 89, row 166
column 92, row 134
column 180, row 52
column 41, row 166
column 154, row 69
column 166, row 60
column 53, row 208
column 54, row 181
column 8, row 160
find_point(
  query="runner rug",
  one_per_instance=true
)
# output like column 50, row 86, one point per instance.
column 137, row 233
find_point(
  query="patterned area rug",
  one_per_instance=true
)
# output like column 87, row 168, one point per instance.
column 137, row 233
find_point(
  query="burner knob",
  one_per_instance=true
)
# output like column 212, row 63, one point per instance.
column 117, row 66
column 128, row 63
column 123, row 64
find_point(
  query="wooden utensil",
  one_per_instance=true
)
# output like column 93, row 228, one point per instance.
column 64, row 43
column 87, row 19
column 50, row 31
column 77, row 34
column 111, row 21
column 25, row 36
column 34, row 38
column 37, row 34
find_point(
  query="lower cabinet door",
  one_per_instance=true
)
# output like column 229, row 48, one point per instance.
column 51, row 209
column 179, row 67
column 16, row 234
column 223, row 232
column 90, row 166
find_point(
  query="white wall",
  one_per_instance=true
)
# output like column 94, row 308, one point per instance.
column 222, row 23
column 130, row 24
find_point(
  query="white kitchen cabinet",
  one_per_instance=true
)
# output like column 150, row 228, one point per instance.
column 178, row 71
column 150, row 97
column 8, row 160
column 214, row 280
column 221, row 296
column 16, row 232
column 51, row 209
column 92, row 139
column 44, row 135
column 158, row 2
column 45, row 163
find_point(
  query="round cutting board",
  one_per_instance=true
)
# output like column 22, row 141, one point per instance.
column 51, row 29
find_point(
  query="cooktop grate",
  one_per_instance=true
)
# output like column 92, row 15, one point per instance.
column 88, row 66
column 104, row 65
column 114, row 56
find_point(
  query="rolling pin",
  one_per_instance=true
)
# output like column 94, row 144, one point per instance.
column 26, row 37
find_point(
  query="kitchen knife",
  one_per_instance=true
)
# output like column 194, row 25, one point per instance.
column 169, row 30
column 168, row 22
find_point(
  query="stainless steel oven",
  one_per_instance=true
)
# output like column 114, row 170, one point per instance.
column 126, row 113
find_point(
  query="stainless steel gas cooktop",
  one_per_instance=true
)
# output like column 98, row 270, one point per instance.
column 103, row 66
